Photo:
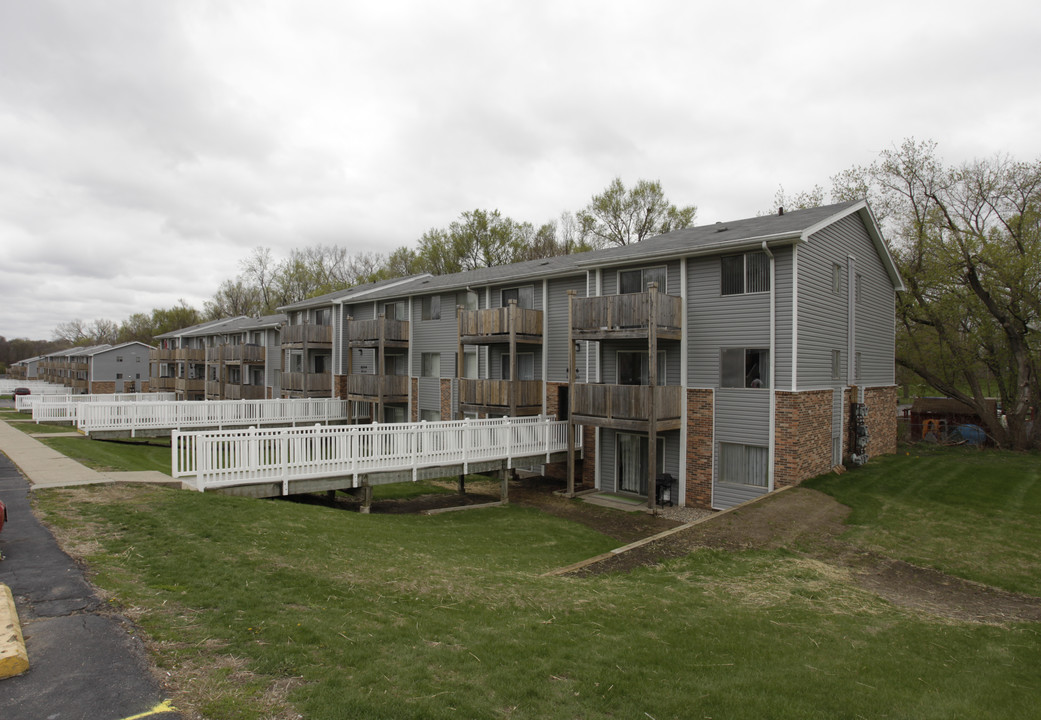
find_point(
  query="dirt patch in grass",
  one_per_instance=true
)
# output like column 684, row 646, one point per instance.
column 809, row 523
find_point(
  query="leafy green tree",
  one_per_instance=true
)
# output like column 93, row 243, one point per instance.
column 967, row 240
column 618, row 216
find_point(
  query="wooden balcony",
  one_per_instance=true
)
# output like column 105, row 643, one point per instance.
column 245, row 353
column 214, row 354
column 164, row 384
column 369, row 388
column 307, row 383
column 213, row 389
column 626, row 407
column 508, row 397
column 313, row 336
column 500, row 325
column 625, row 317
column 190, row 385
column 373, row 333
column 161, row 355
column 244, row 392
column 78, row 384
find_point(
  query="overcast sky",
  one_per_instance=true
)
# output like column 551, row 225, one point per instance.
column 147, row 146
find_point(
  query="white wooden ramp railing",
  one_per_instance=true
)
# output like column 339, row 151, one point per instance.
column 61, row 408
column 140, row 416
column 240, row 457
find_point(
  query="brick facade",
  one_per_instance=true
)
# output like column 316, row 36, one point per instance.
column 881, row 419
column 446, row 399
column 802, row 436
column 102, row 388
column 415, row 400
column 588, row 454
column 700, row 410
column 553, row 397
column 340, row 386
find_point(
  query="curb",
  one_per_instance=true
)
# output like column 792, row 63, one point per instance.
column 14, row 660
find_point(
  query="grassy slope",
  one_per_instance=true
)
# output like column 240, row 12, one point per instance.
column 125, row 455
column 969, row 513
column 447, row 616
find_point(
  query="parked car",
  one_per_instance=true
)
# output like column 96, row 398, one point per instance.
column 22, row 391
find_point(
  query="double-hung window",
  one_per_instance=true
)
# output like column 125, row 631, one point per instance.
column 431, row 365
column 637, row 281
column 432, row 307
column 524, row 295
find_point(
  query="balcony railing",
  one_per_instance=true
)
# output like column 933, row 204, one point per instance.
column 244, row 353
column 525, row 395
column 394, row 387
column 628, row 315
column 311, row 334
column 213, row 354
column 498, row 324
column 368, row 332
column 161, row 355
column 307, row 382
column 213, row 388
column 190, row 354
column 244, row 392
column 161, row 383
column 626, row 403
column 190, row 385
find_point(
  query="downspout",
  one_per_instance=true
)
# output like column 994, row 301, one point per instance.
column 773, row 366
column 684, row 380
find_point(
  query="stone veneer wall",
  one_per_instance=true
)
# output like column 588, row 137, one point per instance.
column 802, row 436
column 700, row 419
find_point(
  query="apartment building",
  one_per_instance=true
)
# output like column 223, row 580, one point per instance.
column 722, row 361
column 98, row 369
column 737, row 351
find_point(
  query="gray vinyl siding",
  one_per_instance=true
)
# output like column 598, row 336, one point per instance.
column 743, row 418
column 435, row 336
column 782, row 360
column 823, row 321
column 430, row 394
column 609, row 457
column 715, row 321
column 726, row 495
column 555, row 341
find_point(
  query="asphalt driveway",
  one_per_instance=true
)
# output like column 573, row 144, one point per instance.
column 84, row 661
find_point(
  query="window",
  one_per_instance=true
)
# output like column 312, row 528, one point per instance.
column 525, row 296
column 119, row 358
column 632, row 368
column 744, row 464
column 322, row 316
column 836, row 278
column 525, row 366
column 137, row 359
column 469, row 364
column 432, row 307
column 396, row 364
column 744, row 368
column 119, row 376
column 467, row 299
column 636, row 281
column 394, row 310
column 746, row 273
column 431, row 365
column 836, row 364
column 393, row 414
column 430, row 415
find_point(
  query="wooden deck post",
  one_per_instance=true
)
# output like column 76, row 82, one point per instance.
column 652, row 375
column 511, row 319
column 570, row 396
column 381, row 364
column 366, row 499
column 505, row 495
column 462, row 484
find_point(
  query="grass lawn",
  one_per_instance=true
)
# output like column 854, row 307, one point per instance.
column 31, row 428
column 255, row 606
column 969, row 513
column 121, row 455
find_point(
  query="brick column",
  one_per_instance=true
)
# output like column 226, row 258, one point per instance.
column 881, row 419
column 802, row 436
column 446, row 399
column 700, row 412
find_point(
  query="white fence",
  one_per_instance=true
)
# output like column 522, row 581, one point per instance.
column 36, row 387
column 239, row 457
column 137, row 416
column 61, row 408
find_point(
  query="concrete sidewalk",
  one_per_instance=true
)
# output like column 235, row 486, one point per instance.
column 47, row 468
